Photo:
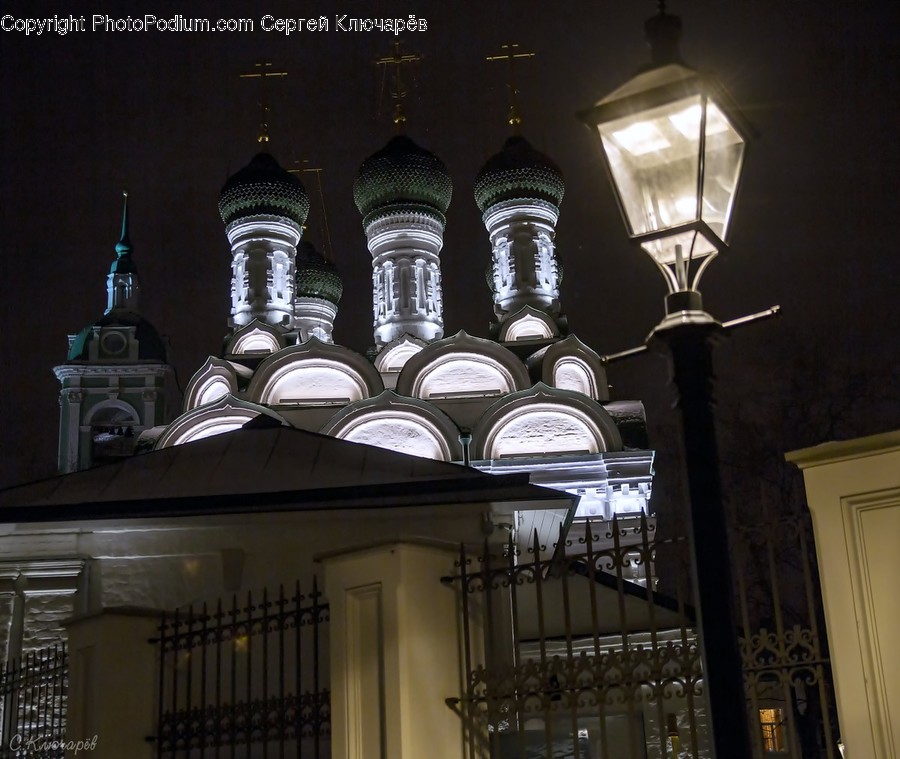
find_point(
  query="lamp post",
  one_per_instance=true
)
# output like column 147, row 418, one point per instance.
column 674, row 146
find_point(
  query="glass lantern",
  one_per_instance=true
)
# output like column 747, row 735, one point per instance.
column 674, row 150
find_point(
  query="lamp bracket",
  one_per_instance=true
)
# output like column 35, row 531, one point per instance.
column 695, row 317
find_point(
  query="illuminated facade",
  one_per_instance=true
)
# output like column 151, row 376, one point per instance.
column 531, row 397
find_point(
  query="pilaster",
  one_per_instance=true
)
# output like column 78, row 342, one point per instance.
column 395, row 653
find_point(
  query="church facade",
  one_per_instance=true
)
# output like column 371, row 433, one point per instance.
column 530, row 396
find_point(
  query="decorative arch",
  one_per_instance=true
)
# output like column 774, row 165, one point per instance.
column 314, row 374
column 462, row 366
column 215, row 379
column 111, row 428
column 255, row 339
column 395, row 354
column 224, row 415
column 544, row 421
column 405, row 425
column 569, row 364
column 112, row 411
column 528, row 323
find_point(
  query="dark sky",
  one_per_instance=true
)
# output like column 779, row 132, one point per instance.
column 165, row 115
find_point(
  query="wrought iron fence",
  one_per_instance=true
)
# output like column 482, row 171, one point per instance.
column 245, row 680
column 33, row 693
column 588, row 649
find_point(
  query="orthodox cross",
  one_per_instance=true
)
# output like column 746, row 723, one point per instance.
column 262, row 71
column 302, row 167
column 510, row 54
column 398, row 92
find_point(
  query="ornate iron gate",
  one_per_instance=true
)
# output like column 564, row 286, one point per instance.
column 588, row 649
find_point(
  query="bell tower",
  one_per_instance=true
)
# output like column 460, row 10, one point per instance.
column 115, row 379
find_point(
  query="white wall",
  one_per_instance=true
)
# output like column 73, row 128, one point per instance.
column 853, row 489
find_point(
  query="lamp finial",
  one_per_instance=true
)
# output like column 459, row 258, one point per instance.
column 663, row 33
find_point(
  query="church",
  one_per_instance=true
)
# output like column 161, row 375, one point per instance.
column 290, row 456
column 528, row 396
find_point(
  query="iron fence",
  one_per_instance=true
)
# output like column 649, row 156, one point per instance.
column 588, row 648
column 33, row 694
column 245, row 679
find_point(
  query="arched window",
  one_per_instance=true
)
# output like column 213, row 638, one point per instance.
column 112, row 426
column 571, row 373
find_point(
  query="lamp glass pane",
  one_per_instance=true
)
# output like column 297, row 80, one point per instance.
column 693, row 244
column 722, row 166
column 654, row 156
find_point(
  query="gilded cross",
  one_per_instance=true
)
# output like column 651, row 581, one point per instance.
column 263, row 71
column 510, row 54
column 398, row 91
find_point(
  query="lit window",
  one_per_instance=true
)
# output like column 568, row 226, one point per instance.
column 771, row 722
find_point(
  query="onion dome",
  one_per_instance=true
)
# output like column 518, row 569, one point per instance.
column 263, row 187
column 316, row 277
column 518, row 172
column 402, row 176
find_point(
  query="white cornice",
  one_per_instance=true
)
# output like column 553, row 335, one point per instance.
column 109, row 370
column 40, row 576
column 844, row 450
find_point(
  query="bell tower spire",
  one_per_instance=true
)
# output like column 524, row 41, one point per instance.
column 123, row 285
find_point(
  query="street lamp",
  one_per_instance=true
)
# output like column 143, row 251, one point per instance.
column 674, row 147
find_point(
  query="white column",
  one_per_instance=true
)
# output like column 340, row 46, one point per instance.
column 264, row 253
column 112, row 683
column 406, row 294
column 395, row 653
column 525, row 268
column 314, row 317
column 70, row 429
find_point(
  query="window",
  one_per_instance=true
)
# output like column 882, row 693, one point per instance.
column 771, row 722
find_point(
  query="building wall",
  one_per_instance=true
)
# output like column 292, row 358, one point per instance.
column 853, row 489
column 168, row 563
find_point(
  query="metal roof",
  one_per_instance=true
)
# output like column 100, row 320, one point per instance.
column 270, row 468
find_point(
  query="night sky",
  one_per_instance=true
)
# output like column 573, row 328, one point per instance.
column 165, row 115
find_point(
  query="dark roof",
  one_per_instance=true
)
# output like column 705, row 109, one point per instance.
column 150, row 344
column 260, row 469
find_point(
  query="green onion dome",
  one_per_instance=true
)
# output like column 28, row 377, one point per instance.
column 316, row 277
column 263, row 187
column 518, row 172
column 402, row 177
